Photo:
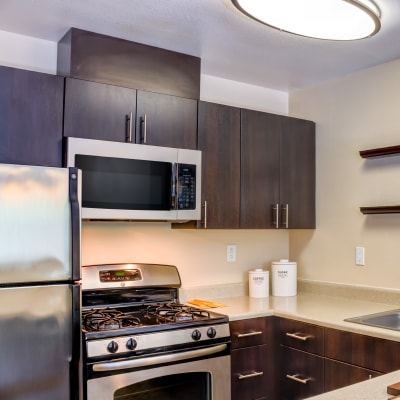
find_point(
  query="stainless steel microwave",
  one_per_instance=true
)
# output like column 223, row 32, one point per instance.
column 127, row 181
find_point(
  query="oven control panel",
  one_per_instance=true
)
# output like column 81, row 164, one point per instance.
column 154, row 340
column 120, row 275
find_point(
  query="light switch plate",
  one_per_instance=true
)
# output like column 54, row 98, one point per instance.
column 360, row 255
column 231, row 252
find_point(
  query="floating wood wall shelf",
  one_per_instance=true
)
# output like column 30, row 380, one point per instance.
column 380, row 152
column 380, row 210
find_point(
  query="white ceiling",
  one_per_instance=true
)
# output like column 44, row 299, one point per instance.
column 229, row 44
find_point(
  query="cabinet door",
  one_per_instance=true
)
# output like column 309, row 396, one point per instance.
column 339, row 374
column 99, row 111
column 249, row 373
column 302, row 374
column 368, row 352
column 251, row 332
column 164, row 120
column 260, row 138
column 31, row 107
column 301, row 335
column 219, row 140
column 297, row 173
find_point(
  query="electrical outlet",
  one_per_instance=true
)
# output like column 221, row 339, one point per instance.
column 231, row 252
column 360, row 255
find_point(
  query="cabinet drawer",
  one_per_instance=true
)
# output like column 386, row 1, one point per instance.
column 365, row 351
column 302, row 336
column 302, row 374
column 250, row 332
column 249, row 373
column 339, row 374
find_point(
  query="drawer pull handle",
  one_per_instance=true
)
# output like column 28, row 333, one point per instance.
column 255, row 333
column 297, row 379
column 299, row 336
column 252, row 375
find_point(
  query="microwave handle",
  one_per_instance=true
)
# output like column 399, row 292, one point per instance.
column 174, row 186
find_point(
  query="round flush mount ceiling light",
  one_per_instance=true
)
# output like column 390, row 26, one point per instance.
column 321, row 19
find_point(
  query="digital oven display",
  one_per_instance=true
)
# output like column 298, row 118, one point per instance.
column 121, row 275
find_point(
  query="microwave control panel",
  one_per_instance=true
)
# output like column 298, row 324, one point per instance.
column 186, row 187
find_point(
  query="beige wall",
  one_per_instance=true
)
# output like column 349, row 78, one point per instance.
column 357, row 112
column 199, row 255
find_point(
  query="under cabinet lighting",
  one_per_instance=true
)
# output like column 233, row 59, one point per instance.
column 321, row 19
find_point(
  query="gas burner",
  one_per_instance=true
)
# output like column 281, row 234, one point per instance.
column 107, row 319
column 175, row 312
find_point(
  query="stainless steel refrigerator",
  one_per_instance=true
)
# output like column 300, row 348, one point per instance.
column 40, row 328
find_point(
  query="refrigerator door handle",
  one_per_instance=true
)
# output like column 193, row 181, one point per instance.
column 74, row 184
column 76, row 350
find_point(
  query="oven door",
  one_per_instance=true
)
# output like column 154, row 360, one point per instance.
column 205, row 378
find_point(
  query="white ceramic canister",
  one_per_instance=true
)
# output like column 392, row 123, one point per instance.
column 284, row 278
column 258, row 283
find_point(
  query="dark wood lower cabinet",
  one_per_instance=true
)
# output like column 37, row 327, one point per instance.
column 249, row 373
column 315, row 359
column 339, row 374
column 302, row 374
column 253, row 359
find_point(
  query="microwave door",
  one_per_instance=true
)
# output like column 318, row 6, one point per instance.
column 130, row 188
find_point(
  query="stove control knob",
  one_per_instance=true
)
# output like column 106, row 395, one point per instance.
column 131, row 344
column 196, row 334
column 112, row 347
column 211, row 332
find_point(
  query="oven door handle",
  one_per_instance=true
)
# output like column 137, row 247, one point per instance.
column 144, row 362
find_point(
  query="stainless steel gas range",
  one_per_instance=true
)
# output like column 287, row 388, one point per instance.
column 141, row 343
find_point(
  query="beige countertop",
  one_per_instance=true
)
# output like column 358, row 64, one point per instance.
column 328, row 311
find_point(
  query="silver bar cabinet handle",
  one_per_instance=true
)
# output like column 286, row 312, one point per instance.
column 129, row 135
column 275, row 208
column 297, row 379
column 255, row 333
column 252, row 375
column 143, row 121
column 205, row 214
column 299, row 336
column 285, row 223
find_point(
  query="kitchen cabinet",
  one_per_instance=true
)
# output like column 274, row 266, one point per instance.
column 277, row 171
column 31, row 112
column 107, row 112
column 376, row 354
column 315, row 359
column 254, row 162
column 98, row 111
column 339, row 374
column 219, row 141
column 164, row 120
column 252, row 359
column 302, row 362
column 381, row 152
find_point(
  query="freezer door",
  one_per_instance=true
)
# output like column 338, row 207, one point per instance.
column 38, row 360
column 39, row 224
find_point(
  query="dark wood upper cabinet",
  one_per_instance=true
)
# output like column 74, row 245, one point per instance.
column 297, row 172
column 277, row 171
column 260, row 138
column 106, row 112
column 98, row 111
column 95, row 57
column 219, row 141
column 31, row 109
column 164, row 120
